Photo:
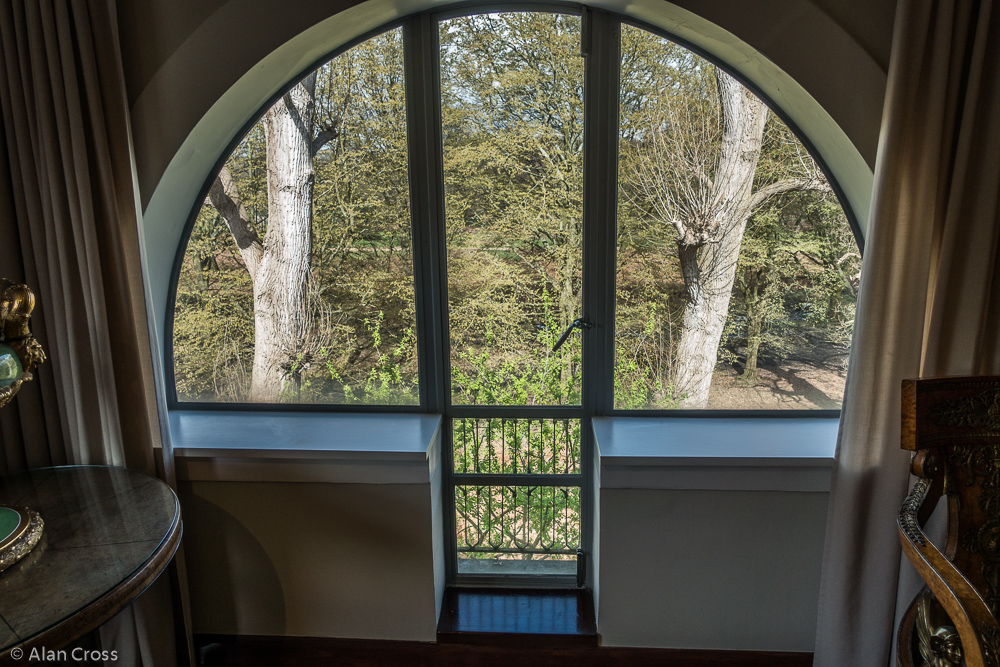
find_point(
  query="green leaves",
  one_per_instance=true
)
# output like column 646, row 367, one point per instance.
column 361, row 268
column 512, row 113
column 494, row 375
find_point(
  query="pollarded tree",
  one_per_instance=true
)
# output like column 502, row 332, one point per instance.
column 312, row 208
column 697, row 172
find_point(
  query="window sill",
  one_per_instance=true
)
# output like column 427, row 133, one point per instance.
column 738, row 454
column 305, row 447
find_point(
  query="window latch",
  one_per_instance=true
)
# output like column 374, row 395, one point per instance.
column 579, row 323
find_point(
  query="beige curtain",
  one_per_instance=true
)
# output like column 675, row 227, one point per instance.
column 68, row 225
column 929, row 301
column 25, row 420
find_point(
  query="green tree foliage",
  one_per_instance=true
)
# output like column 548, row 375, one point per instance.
column 362, row 278
column 796, row 285
column 213, row 316
column 681, row 231
column 543, row 378
column 512, row 114
column 512, row 111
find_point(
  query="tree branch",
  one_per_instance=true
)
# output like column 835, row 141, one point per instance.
column 325, row 136
column 814, row 183
column 225, row 196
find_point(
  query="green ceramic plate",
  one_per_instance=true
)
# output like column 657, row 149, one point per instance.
column 20, row 530
column 10, row 521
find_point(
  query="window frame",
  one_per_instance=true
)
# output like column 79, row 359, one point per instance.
column 426, row 200
column 430, row 282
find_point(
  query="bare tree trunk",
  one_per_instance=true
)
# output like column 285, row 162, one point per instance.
column 278, row 266
column 695, row 170
column 281, row 286
column 755, row 330
column 709, row 268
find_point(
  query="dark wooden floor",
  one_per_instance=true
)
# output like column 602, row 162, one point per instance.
column 481, row 628
column 233, row 651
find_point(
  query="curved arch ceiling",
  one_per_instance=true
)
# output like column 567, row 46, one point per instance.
column 187, row 113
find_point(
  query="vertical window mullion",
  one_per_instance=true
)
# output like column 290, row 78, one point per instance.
column 600, row 189
column 426, row 172
column 423, row 123
column 601, row 47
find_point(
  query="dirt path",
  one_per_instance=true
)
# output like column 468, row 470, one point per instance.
column 795, row 385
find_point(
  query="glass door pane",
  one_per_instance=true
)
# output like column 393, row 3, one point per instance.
column 512, row 130
column 512, row 114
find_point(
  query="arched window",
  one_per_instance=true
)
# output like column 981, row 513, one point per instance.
column 573, row 217
column 736, row 270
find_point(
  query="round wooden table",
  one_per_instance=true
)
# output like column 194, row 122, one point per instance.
column 109, row 532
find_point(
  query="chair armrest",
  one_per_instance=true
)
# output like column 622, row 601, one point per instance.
column 976, row 626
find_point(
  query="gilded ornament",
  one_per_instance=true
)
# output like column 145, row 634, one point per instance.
column 22, row 538
column 20, row 353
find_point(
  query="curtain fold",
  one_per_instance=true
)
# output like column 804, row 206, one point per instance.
column 929, row 302
column 65, row 120
column 68, row 226
column 33, row 418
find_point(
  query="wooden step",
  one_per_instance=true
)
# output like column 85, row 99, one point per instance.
column 518, row 618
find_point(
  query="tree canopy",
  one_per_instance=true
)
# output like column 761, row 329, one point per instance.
column 736, row 267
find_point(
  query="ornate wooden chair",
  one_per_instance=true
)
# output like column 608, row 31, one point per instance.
column 953, row 426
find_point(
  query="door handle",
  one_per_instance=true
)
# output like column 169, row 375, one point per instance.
column 579, row 323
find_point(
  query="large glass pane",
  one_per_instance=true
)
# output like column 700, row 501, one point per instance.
column 512, row 113
column 297, row 281
column 517, row 529
column 737, row 271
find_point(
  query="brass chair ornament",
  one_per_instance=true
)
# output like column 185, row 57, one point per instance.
column 20, row 353
column 953, row 427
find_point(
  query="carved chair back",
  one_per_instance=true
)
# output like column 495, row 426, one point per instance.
column 953, row 427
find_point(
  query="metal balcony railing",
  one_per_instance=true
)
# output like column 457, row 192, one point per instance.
column 500, row 446
column 512, row 498
column 524, row 522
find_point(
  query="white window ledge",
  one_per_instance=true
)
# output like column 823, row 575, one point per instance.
column 748, row 454
column 364, row 448
column 778, row 454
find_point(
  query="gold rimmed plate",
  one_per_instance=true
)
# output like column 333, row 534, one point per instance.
column 20, row 530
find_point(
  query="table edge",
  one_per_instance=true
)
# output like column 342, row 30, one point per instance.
column 111, row 603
